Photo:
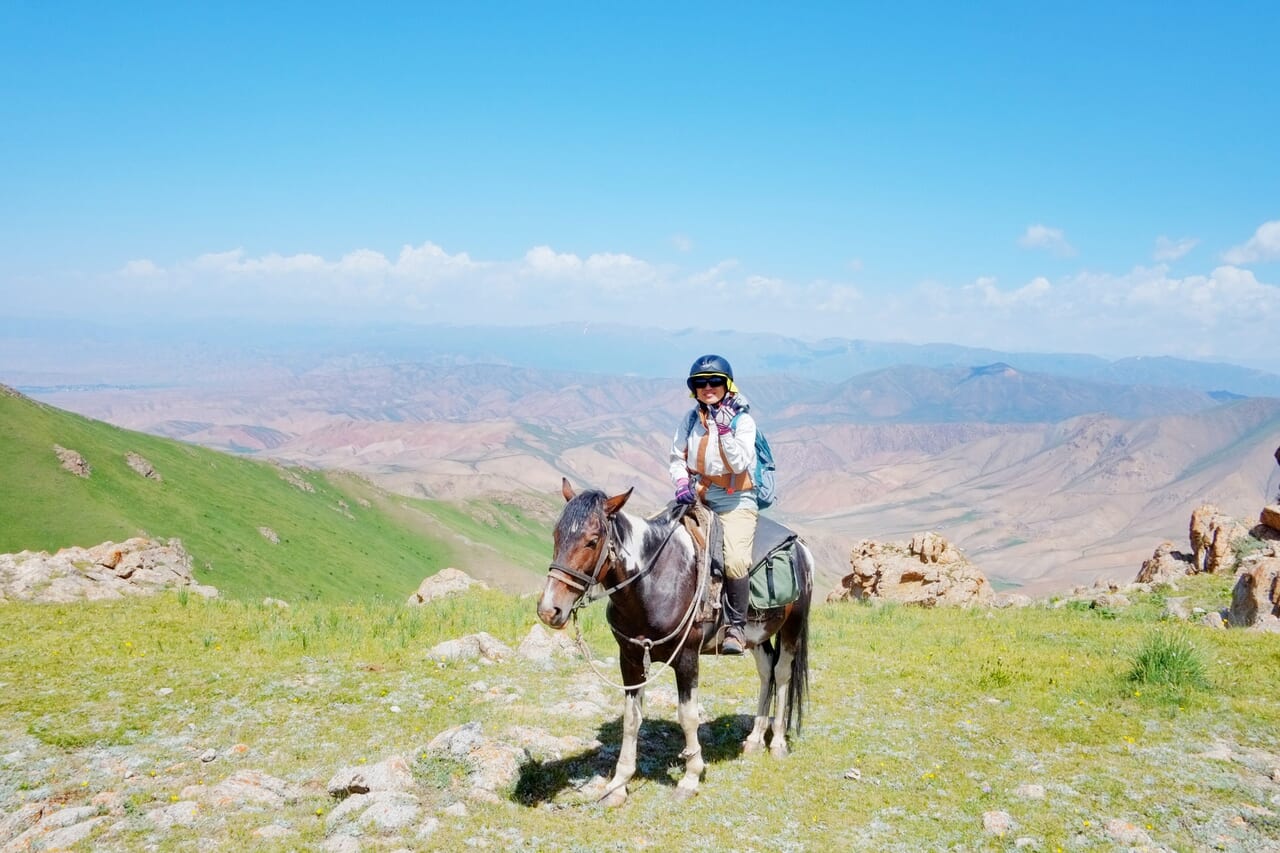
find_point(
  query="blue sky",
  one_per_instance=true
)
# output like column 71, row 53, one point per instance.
column 1023, row 176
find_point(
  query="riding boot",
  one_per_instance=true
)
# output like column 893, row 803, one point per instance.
column 737, row 592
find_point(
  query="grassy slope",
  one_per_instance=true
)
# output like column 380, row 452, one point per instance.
column 946, row 714
column 215, row 504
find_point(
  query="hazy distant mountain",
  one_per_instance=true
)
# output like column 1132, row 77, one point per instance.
column 47, row 353
column 1044, row 480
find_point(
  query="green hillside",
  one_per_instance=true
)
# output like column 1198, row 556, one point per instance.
column 340, row 538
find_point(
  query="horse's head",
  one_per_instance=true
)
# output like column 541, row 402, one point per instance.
column 581, row 551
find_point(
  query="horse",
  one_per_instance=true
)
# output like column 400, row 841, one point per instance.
column 648, row 571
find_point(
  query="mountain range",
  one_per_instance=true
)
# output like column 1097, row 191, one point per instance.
column 1045, row 479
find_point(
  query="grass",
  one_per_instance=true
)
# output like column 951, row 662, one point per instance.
column 1169, row 661
column 340, row 538
column 945, row 714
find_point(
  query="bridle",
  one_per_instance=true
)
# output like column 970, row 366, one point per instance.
column 575, row 579
column 581, row 582
column 608, row 555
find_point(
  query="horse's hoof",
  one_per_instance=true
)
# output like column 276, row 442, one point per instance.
column 614, row 798
column 683, row 794
column 752, row 747
column 779, row 751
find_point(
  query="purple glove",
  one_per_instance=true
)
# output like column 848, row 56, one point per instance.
column 684, row 493
column 723, row 416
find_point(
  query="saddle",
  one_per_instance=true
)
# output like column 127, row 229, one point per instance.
column 770, row 556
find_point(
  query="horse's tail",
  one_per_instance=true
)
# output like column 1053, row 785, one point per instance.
column 798, row 688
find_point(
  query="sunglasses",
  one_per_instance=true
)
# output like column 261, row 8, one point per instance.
column 707, row 382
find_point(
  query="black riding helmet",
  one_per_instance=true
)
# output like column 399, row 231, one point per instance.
column 711, row 365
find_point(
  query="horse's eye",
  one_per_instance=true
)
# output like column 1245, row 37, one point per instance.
column 593, row 541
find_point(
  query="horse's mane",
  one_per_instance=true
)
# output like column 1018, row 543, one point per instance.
column 584, row 507
column 589, row 504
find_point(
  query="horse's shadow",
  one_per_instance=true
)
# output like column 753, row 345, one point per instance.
column 657, row 757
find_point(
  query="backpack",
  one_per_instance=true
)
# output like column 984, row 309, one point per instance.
column 763, row 480
column 766, row 487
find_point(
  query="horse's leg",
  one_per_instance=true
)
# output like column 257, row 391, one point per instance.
column 763, row 654
column 687, row 714
column 781, row 690
column 632, row 714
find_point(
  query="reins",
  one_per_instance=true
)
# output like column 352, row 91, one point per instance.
column 579, row 581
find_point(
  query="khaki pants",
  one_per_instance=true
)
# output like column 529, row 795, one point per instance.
column 739, row 536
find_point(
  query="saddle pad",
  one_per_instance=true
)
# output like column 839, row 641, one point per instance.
column 770, row 536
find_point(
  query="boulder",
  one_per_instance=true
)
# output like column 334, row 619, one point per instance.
column 543, row 646
column 1255, row 599
column 1270, row 516
column 927, row 571
column 1165, row 565
column 391, row 774
column 443, row 583
column 1212, row 535
column 483, row 646
column 137, row 566
column 493, row 764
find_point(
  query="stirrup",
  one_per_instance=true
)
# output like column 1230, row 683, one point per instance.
column 733, row 643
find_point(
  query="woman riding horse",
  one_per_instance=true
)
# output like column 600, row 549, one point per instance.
column 712, row 453
column 649, row 570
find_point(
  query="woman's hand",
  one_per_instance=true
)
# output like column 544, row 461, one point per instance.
column 723, row 417
column 684, row 492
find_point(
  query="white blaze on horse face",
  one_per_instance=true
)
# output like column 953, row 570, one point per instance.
column 552, row 614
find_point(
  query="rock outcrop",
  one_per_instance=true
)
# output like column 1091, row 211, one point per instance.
column 1212, row 535
column 443, row 583
column 72, row 461
column 1255, row 599
column 1165, row 565
column 1270, row 518
column 137, row 566
column 140, row 465
column 927, row 571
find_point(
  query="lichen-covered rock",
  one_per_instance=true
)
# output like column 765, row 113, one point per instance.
column 392, row 774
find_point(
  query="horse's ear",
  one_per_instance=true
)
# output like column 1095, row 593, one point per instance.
column 566, row 489
column 613, row 504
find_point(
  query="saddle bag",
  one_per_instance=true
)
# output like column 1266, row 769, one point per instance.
column 773, row 579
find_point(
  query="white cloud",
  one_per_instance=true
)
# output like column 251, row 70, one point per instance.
column 141, row 268
column 1264, row 245
column 767, row 287
column 544, row 261
column 429, row 261
column 682, row 242
column 1171, row 250
column 714, row 275
column 1049, row 239
column 606, row 269
column 1226, row 312
column 985, row 289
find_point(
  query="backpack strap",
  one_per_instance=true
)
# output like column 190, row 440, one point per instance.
column 729, row 481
